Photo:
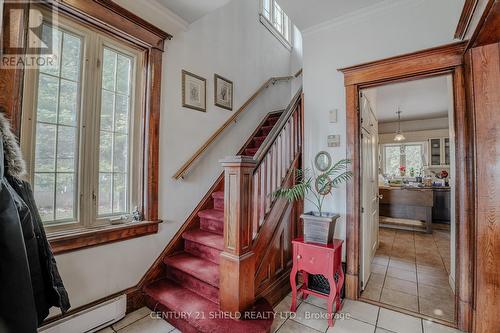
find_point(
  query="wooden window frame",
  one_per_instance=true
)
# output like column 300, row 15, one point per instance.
column 121, row 24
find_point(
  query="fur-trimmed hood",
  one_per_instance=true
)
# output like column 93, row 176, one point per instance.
column 13, row 159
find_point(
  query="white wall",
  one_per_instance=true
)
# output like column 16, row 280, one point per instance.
column 232, row 42
column 396, row 28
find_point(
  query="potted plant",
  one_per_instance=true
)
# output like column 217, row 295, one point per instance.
column 318, row 225
column 402, row 171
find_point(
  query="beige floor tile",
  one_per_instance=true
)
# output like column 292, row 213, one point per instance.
column 381, row 260
column 430, row 292
column 149, row 325
column 403, row 264
column 320, row 302
column 401, row 300
column 432, row 280
column 365, row 312
column 382, row 330
column 376, row 279
column 372, row 292
column 402, row 274
column 403, row 286
column 432, row 327
column 312, row 316
column 282, row 312
column 351, row 326
column 437, row 309
column 380, row 269
column 291, row 326
column 398, row 322
column 131, row 317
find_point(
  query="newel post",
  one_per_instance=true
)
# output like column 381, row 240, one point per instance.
column 237, row 261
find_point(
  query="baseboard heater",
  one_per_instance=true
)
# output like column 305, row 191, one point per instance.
column 90, row 320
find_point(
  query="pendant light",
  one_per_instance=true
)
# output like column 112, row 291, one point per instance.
column 399, row 135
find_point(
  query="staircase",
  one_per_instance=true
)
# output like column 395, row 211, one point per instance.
column 188, row 292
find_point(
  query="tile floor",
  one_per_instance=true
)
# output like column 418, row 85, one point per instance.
column 355, row 317
column 410, row 271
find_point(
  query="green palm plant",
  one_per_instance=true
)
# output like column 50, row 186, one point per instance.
column 318, row 186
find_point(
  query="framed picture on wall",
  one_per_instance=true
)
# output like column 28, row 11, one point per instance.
column 194, row 91
column 223, row 91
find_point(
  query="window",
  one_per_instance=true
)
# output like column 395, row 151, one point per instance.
column 80, row 117
column 409, row 155
column 276, row 20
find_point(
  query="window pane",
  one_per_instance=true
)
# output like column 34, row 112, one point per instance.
column 45, row 148
column 65, row 196
column 120, row 193
column 56, row 139
column 266, row 8
column 120, row 153
column 392, row 160
column 66, row 149
column 68, row 103
column 108, row 69
column 105, row 191
column 413, row 158
column 122, row 112
column 48, row 87
column 123, row 75
column 107, row 106
column 114, row 137
column 44, row 195
column 55, row 34
column 278, row 18
column 70, row 62
column 106, row 152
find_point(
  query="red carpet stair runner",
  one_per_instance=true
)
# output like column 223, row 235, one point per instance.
column 188, row 296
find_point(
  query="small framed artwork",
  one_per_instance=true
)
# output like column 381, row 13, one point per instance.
column 194, row 91
column 223, row 92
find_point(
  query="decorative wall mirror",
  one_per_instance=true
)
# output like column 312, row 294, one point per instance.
column 323, row 161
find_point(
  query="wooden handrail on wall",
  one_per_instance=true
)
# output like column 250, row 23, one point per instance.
column 189, row 163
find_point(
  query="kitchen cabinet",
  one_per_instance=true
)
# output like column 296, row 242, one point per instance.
column 439, row 152
column 442, row 205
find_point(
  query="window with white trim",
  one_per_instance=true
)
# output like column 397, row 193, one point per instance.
column 277, row 21
column 79, row 127
column 407, row 155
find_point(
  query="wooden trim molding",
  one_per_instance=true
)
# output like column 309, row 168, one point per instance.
column 85, row 238
column 435, row 61
column 404, row 66
column 465, row 18
column 488, row 28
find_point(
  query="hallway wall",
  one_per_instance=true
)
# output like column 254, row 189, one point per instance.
column 392, row 28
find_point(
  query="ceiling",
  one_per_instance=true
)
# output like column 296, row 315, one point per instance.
column 192, row 10
column 418, row 99
column 306, row 14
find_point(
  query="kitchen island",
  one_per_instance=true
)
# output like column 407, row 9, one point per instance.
column 411, row 203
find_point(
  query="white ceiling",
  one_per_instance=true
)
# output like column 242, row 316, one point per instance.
column 192, row 10
column 308, row 13
column 418, row 99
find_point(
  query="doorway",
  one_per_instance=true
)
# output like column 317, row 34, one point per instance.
column 447, row 59
column 407, row 206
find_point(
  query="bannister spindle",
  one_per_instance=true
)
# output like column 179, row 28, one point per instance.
column 237, row 261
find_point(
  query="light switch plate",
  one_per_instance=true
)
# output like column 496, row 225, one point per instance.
column 333, row 115
column 334, row 140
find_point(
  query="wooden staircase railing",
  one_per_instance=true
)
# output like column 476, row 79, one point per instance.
column 248, row 205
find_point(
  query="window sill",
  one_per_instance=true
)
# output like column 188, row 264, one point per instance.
column 275, row 32
column 63, row 242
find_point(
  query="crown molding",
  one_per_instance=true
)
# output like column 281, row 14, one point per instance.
column 155, row 5
column 357, row 15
